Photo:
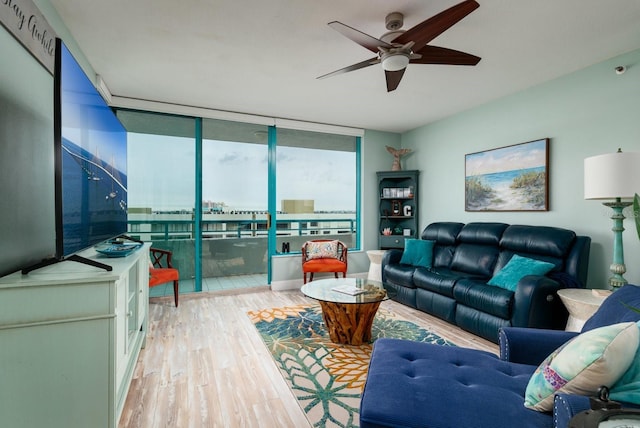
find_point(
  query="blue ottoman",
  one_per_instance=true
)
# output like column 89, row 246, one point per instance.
column 413, row 384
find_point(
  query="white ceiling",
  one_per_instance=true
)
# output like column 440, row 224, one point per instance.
column 262, row 57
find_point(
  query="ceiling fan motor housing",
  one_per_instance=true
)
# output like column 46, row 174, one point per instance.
column 394, row 21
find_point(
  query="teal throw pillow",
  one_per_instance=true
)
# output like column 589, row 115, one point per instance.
column 418, row 252
column 592, row 359
column 517, row 268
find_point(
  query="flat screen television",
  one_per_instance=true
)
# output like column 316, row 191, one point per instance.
column 90, row 145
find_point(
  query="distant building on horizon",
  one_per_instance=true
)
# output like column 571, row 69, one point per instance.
column 297, row 206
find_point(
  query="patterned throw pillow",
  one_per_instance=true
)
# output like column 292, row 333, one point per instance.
column 592, row 359
column 322, row 250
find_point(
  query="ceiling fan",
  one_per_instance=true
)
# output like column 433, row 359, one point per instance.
column 397, row 48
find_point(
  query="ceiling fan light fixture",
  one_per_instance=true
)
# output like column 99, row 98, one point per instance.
column 395, row 61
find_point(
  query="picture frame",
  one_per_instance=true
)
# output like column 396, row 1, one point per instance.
column 510, row 178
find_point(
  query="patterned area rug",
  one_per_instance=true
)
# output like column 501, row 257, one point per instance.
column 326, row 378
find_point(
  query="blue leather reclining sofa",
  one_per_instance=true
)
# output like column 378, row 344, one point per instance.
column 466, row 256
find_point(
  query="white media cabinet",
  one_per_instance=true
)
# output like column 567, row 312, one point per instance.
column 70, row 336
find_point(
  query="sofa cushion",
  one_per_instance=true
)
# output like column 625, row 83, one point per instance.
column 439, row 305
column 477, row 249
column 480, row 323
column 442, row 255
column 590, row 360
column 417, row 252
column 412, row 384
column 551, row 241
column 324, row 265
column 478, row 295
column 439, row 280
column 615, row 308
column 400, row 275
column 475, row 259
column 482, row 233
column 517, row 268
column 444, row 233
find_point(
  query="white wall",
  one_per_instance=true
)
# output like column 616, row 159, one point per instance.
column 590, row 112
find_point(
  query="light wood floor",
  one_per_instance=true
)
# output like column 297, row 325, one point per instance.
column 204, row 364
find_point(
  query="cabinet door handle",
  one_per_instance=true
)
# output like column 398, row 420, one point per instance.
column 129, row 314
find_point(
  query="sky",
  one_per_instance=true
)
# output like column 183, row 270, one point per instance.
column 236, row 174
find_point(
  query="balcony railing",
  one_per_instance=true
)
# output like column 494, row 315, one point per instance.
column 236, row 247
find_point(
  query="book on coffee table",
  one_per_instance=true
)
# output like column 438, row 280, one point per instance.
column 348, row 289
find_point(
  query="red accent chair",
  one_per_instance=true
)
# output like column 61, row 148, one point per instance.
column 162, row 271
column 324, row 255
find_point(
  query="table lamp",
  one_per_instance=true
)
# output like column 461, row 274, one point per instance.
column 614, row 176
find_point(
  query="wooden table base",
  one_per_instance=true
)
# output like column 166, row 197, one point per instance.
column 349, row 323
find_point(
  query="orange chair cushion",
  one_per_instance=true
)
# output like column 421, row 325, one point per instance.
column 159, row 276
column 324, row 265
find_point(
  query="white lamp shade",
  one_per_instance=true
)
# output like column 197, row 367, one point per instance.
column 611, row 176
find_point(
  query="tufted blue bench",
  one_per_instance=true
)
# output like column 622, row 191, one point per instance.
column 414, row 384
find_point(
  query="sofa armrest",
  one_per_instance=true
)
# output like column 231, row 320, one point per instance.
column 566, row 406
column 536, row 304
column 390, row 257
column 529, row 345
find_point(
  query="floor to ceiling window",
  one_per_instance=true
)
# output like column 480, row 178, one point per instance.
column 226, row 196
column 234, row 204
column 161, row 196
column 316, row 188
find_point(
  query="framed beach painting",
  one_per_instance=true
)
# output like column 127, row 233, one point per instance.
column 512, row 178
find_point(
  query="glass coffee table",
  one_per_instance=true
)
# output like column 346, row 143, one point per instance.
column 347, row 317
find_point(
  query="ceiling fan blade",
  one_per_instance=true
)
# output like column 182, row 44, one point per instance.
column 353, row 67
column 393, row 79
column 431, row 28
column 359, row 37
column 437, row 55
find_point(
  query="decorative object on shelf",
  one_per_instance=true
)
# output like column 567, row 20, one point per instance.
column 406, row 210
column 396, row 207
column 397, row 154
column 386, row 231
column 512, row 178
column 613, row 176
column 397, row 192
column 406, row 232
